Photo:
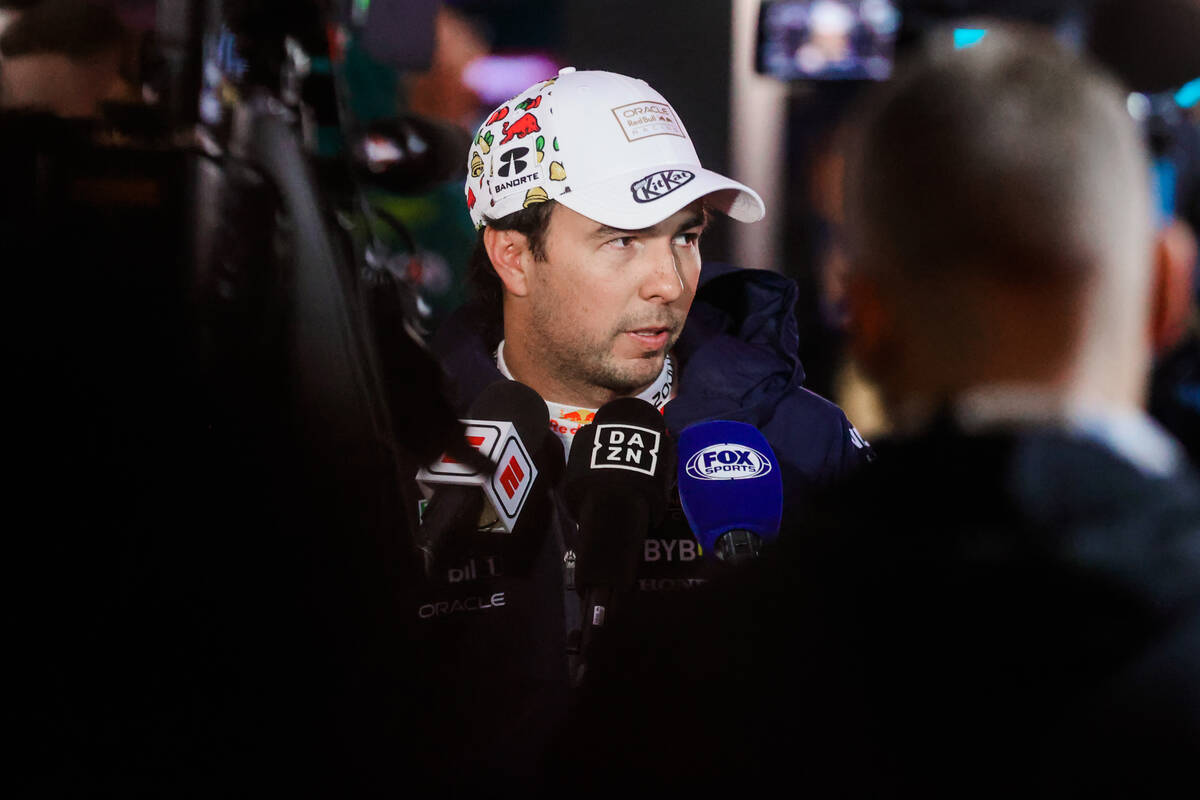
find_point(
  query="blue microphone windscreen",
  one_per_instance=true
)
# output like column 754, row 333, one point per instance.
column 729, row 479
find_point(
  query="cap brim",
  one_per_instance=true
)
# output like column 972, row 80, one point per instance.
column 612, row 202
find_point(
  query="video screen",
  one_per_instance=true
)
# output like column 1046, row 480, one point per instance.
column 827, row 39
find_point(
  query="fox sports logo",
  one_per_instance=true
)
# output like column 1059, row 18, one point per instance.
column 723, row 462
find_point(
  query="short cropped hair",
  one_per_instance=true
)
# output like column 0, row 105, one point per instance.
column 486, row 291
column 1016, row 157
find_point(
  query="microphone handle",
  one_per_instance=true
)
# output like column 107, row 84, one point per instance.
column 597, row 611
column 450, row 520
column 612, row 529
column 738, row 546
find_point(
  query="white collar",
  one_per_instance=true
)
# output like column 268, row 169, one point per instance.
column 566, row 420
column 1130, row 433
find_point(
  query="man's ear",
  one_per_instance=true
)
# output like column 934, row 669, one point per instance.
column 1174, row 264
column 511, row 258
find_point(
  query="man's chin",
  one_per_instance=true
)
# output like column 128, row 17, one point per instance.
column 635, row 374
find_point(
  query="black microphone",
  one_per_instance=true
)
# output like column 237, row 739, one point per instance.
column 618, row 478
column 408, row 154
column 508, row 425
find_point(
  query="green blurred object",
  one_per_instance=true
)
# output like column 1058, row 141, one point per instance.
column 442, row 229
column 436, row 220
column 373, row 86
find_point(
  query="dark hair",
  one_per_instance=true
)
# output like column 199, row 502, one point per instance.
column 486, row 291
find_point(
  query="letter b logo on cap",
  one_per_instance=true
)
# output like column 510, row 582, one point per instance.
column 513, row 161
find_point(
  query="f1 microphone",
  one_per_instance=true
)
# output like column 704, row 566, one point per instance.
column 730, row 488
column 508, row 426
column 618, row 477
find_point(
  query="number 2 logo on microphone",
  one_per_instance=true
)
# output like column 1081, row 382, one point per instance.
column 627, row 447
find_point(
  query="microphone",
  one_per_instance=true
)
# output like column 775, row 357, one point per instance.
column 730, row 488
column 618, row 478
column 409, row 154
column 507, row 426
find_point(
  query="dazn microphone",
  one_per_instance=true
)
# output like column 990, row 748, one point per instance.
column 618, row 476
column 730, row 488
column 508, row 425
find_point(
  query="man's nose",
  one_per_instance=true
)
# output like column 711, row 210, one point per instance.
column 664, row 278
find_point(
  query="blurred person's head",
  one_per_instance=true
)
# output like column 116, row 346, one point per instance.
column 1001, row 229
column 591, row 201
column 10, row 10
column 62, row 56
column 440, row 92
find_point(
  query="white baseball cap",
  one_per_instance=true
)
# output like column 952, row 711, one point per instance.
column 602, row 144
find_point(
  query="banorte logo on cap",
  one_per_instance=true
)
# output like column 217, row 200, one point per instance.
column 513, row 122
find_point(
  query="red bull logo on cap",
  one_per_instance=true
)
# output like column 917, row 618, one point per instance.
column 521, row 128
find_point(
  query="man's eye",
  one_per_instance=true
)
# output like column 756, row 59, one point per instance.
column 685, row 239
column 622, row 242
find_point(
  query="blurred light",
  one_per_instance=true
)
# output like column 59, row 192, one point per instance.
column 1165, row 179
column 381, row 153
column 226, row 55
column 968, row 37
column 1138, row 106
column 496, row 78
column 831, row 19
column 360, row 10
column 1189, row 95
column 881, row 15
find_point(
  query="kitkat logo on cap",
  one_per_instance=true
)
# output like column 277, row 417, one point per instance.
column 647, row 118
column 659, row 184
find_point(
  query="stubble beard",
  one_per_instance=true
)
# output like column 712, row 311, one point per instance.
column 578, row 360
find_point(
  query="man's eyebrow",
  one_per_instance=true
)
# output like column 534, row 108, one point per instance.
column 604, row 232
column 695, row 221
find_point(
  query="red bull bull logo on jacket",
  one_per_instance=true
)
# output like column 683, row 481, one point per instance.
column 570, row 421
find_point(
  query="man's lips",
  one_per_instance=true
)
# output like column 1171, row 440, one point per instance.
column 652, row 337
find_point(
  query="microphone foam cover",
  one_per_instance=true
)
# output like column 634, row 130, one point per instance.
column 514, row 402
column 625, row 449
column 617, row 478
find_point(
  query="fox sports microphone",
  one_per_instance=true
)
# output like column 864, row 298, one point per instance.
column 730, row 488
column 508, row 425
column 618, row 477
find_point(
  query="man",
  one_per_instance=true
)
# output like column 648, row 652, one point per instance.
column 1008, row 604
column 591, row 203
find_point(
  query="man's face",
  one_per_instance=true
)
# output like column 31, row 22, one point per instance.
column 607, row 305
